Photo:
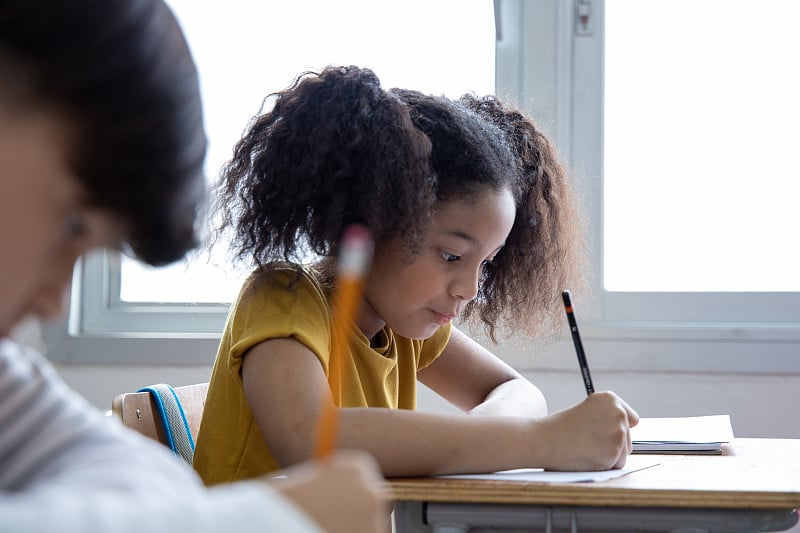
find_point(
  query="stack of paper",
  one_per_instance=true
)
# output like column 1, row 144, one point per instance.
column 694, row 434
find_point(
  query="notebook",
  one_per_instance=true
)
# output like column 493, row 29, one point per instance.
column 694, row 434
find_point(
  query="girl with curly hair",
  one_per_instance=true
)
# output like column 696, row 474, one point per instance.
column 472, row 217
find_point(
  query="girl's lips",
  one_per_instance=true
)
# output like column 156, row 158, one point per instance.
column 442, row 319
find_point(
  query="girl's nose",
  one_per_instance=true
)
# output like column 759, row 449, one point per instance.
column 465, row 286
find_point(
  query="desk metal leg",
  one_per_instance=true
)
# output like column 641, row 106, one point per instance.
column 418, row 517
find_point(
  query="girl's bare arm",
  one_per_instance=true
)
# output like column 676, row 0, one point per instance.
column 285, row 383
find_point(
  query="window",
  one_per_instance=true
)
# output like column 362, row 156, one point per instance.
column 699, row 179
column 676, row 119
column 244, row 51
column 682, row 121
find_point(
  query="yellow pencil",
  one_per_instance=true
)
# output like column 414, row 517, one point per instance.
column 354, row 258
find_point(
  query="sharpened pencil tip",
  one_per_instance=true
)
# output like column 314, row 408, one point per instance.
column 567, row 297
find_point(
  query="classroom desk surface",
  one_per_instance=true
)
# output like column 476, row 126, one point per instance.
column 751, row 474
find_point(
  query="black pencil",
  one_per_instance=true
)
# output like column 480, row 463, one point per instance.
column 576, row 339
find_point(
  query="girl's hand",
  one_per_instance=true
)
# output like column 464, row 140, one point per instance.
column 592, row 435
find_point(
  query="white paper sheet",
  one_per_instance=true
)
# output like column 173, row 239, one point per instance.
column 538, row 475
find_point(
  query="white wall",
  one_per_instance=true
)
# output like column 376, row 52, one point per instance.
column 759, row 405
column 101, row 383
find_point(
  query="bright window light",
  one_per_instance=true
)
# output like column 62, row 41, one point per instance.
column 245, row 50
column 700, row 178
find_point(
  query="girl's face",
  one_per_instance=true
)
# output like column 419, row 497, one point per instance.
column 44, row 223
column 417, row 298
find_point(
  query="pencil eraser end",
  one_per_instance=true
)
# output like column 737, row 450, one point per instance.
column 356, row 251
column 357, row 234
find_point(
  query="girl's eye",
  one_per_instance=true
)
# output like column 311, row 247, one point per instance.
column 447, row 257
column 490, row 260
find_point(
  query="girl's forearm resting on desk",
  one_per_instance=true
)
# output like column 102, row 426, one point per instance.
column 591, row 436
column 594, row 435
column 412, row 443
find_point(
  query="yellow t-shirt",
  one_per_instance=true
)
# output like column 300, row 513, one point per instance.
column 288, row 301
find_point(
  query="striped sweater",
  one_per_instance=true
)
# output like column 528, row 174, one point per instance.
column 66, row 467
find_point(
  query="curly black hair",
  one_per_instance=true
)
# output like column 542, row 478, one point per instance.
column 336, row 149
column 545, row 252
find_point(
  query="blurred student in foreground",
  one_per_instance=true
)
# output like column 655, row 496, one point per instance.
column 102, row 145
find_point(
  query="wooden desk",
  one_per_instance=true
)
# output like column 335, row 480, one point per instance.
column 753, row 486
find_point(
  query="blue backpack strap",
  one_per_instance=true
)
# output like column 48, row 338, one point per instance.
column 173, row 420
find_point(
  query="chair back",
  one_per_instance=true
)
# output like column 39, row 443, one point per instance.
column 143, row 412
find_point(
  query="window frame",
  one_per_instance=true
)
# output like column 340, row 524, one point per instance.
column 557, row 76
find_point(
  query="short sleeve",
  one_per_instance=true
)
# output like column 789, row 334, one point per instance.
column 279, row 303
